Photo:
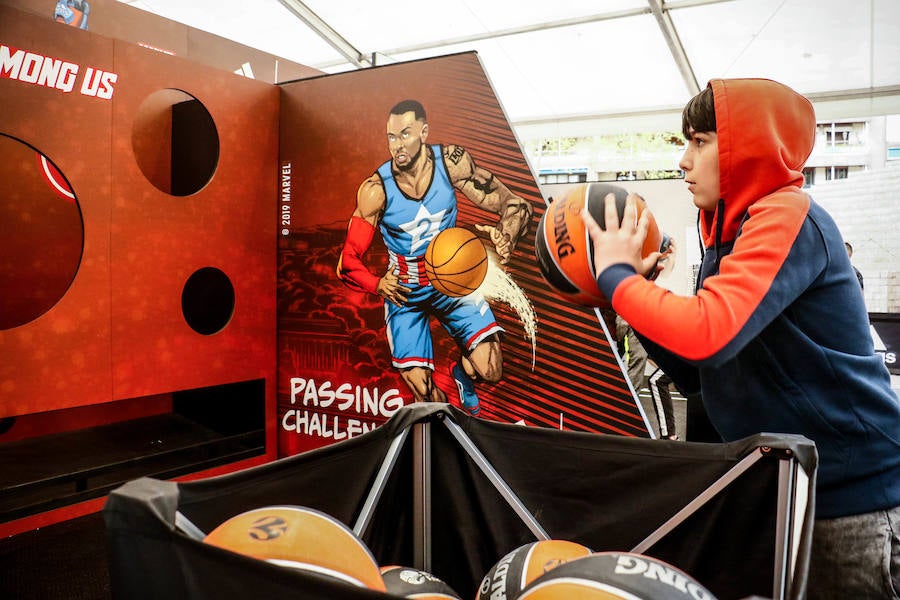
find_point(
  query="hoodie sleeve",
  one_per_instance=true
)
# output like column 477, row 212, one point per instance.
column 777, row 255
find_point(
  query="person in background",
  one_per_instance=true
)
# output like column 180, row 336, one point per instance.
column 632, row 353
column 859, row 276
column 776, row 338
column 659, row 383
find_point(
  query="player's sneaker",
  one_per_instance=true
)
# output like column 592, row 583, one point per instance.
column 466, row 387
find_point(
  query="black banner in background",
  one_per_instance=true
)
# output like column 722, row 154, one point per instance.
column 886, row 335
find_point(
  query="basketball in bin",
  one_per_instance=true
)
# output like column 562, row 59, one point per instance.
column 564, row 250
column 616, row 576
column 300, row 538
column 525, row 564
column 413, row 583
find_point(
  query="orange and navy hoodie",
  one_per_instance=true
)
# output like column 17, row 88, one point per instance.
column 777, row 337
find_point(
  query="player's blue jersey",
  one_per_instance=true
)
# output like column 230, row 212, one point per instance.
column 409, row 225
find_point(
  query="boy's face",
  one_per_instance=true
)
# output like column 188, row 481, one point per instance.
column 700, row 163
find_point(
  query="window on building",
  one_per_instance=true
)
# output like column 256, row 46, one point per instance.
column 837, row 134
column 836, row 173
column 837, row 137
column 809, row 176
column 563, row 177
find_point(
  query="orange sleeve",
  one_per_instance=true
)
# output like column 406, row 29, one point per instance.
column 732, row 305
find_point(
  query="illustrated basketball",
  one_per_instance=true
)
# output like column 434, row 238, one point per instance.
column 300, row 538
column 616, row 576
column 564, row 250
column 525, row 564
column 413, row 583
column 456, row 262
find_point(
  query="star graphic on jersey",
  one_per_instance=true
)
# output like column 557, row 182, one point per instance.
column 423, row 227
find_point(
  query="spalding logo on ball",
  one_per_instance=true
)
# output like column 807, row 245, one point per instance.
column 456, row 262
column 616, row 576
column 300, row 538
column 564, row 250
column 416, row 584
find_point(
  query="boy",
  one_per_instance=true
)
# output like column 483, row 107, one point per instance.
column 776, row 338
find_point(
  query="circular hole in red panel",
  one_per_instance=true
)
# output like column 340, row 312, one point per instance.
column 175, row 142
column 207, row 300
column 41, row 233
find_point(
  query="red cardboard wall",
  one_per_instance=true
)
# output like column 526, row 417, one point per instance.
column 119, row 332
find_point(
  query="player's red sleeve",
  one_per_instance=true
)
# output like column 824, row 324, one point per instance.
column 351, row 268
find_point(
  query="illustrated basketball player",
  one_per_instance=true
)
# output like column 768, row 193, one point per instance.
column 72, row 12
column 410, row 199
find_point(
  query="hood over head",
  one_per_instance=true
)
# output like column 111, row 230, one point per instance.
column 765, row 131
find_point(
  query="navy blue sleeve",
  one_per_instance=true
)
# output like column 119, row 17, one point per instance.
column 685, row 376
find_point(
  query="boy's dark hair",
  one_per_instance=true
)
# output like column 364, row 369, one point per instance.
column 413, row 106
column 699, row 114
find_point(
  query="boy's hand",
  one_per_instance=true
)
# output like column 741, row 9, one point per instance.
column 620, row 243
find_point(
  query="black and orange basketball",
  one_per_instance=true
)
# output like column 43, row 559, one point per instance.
column 413, row 583
column 456, row 262
column 525, row 564
column 616, row 576
column 300, row 538
column 564, row 250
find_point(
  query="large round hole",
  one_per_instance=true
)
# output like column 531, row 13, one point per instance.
column 175, row 142
column 41, row 233
column 207, row 300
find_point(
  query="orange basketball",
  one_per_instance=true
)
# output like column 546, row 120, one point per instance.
column 525, row 564
column 456, row 262
column 300, row 538
column 564, row 250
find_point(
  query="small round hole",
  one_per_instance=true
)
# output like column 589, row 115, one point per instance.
column 207, row 300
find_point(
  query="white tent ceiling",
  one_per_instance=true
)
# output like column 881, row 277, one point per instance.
column 571, row 67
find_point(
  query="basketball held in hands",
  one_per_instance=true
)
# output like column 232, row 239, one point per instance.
column 563, row 247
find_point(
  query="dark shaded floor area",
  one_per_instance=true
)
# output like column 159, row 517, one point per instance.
column 66, row 561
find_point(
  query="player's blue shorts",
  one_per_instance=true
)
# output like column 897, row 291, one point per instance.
column 468, row 320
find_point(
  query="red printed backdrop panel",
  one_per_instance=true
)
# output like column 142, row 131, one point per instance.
column 62, row 357
column 121, row 21
column 335, row 376
column 160, row 239
column 119, row 331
